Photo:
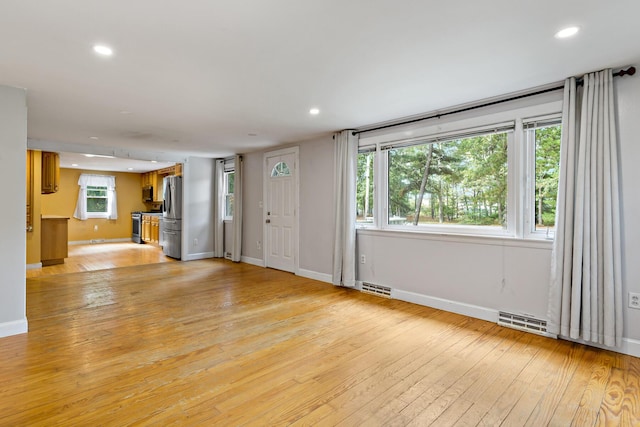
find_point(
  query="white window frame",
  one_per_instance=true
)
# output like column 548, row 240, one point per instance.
column 227, row 217
column 371, row 149
column 529, row 231
column 106, row 197
column 229, row 167
column 519, row 184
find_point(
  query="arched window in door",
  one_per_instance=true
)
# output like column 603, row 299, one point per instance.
column 280, row 169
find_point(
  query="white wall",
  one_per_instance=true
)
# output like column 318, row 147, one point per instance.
column 316, row 207
column 628, row 102
column 479, row 276
column 251, row 207
column 471, row 275
column 197, row 221
column 13, row 140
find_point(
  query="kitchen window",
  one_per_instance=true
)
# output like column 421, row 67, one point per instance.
column 96, row 197
column 97, row 201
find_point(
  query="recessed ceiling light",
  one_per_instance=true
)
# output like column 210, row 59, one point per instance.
column 154, row 161
column 129, row 169
column 314, row 111
column 567, row 32
column 99, row 155
column 93, row 137
column 74, row 165
column 103, row 50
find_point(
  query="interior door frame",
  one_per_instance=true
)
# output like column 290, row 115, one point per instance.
column 296, row 204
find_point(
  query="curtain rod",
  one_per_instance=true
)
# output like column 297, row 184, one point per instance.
column 629, row 71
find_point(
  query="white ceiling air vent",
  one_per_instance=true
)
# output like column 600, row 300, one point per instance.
column 381, row 291
column 524, row 323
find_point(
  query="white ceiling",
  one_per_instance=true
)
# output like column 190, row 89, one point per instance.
column 216, row 77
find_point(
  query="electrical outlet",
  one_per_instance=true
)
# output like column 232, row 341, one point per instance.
column 95, row 228
column 195, row 242
column 259, row 245
column 634, row 300
column 363, row 259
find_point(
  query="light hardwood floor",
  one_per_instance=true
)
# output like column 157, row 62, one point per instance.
column 216, row 343
column 103, row 256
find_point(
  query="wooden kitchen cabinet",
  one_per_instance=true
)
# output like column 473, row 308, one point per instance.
column 54, row 239
column 156, row 178
column 50, row 172
column 146, row 228
column 155, row 229
column 150, row 228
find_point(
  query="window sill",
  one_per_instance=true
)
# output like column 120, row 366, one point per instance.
column 97, row 216
column 491, row 240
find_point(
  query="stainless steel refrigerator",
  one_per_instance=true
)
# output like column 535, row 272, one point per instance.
column 172, row 217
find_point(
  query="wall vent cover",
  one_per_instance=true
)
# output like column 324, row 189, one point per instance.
column 523, row 323
column 381, row 291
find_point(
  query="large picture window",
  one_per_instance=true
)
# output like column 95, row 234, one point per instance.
column 494, row 175
column 457, row 182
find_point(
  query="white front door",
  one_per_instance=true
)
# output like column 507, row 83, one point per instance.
column 280, row 219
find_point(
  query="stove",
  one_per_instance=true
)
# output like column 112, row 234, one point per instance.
column 136, row 227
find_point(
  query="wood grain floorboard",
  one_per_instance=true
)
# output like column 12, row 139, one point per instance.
column 212, row 342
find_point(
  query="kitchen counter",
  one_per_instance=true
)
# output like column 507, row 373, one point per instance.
column 54, row 239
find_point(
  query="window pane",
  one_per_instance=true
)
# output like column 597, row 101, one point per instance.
column 364, row 188
column 96, row 191
column 97, row 199
column 546, row 180
column 228, row 205
column 96, row 204
column 458, row 182
column 280, row 169
column 230, row 182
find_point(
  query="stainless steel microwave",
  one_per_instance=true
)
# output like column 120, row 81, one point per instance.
column 147, row 193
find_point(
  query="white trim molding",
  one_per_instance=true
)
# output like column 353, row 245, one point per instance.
column 100, row 241
column 309, row 274
column 447, row 305
column 629, row 346
column 201, row 255
column 14, row 328
column 34, row 266
column 253, row 261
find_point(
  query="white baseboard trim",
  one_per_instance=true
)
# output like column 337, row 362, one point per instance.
column 99, row 241
column 309, row 274
column 14, row 328
column 629, row 346
column 34, row 266
column 201, row 255
column 447, row 305
column 252, row 261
